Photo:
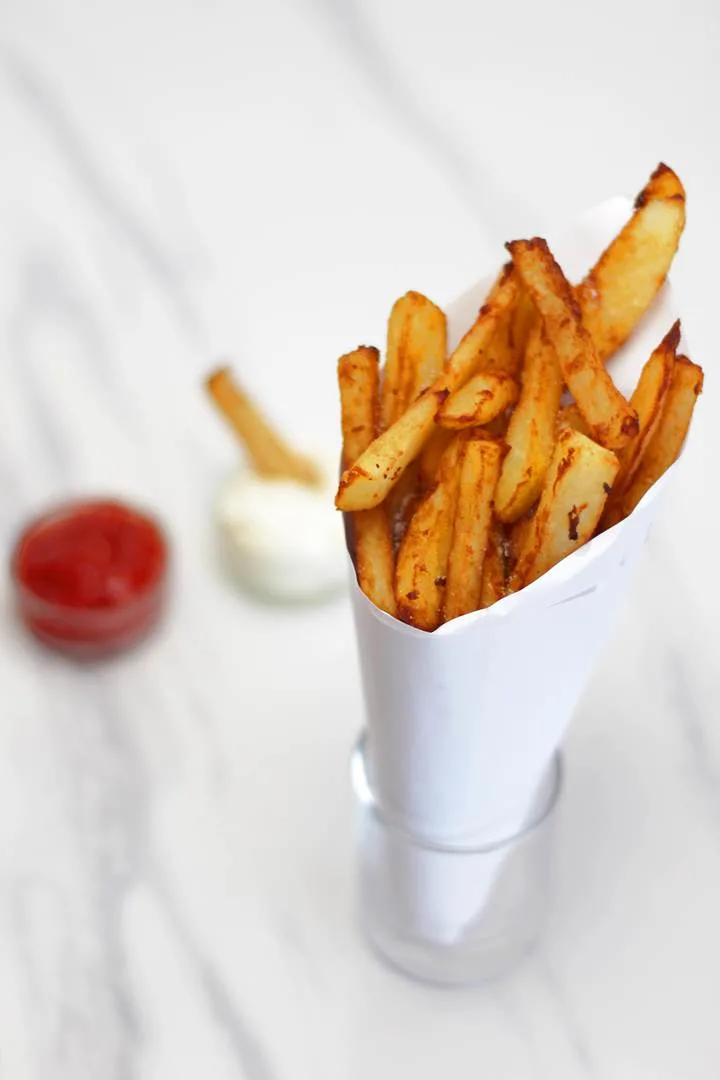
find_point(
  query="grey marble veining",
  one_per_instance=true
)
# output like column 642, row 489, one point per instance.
column 182, row 181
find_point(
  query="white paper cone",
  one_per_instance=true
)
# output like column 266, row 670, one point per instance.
column 463, row 722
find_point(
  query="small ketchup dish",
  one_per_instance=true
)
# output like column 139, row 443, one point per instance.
column 90, row 577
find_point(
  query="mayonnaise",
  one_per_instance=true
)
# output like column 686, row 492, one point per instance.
column 280, row 538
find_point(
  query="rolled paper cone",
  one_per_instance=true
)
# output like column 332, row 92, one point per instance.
column 462, row 723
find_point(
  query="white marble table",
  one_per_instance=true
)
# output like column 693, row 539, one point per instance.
column 180, row 180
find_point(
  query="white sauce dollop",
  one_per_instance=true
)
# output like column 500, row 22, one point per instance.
column 282, row 539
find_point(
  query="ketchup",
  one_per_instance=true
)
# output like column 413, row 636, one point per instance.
column 90, row 577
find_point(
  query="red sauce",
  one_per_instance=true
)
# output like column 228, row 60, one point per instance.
column 90, row 577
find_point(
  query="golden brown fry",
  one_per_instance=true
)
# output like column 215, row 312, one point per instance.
column 469, row 355
column 571, row 417
column 401, row 502
column 358, row 379
column 479, row 401
column 624, row 281
column 432, row 452
column 611, row 419
column 373, row 549
column 662, row 450
column 479, row 467
column 269, row 454
column 416, row 351
column 576, row 487
column 531, row 431
column 493, row 577
column 648, row 399
column 524, row 318
column 367, row 482
column 423, row 557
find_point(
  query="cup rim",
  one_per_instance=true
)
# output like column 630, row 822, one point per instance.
column 366, row 797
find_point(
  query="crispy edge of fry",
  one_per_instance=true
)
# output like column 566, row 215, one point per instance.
column 610, row 417
column 620, row 287
column 373, row 549
column 479, row 468
column 269, row 454
column 421, row 570
column 531, row 431
column 494, row 567
column 480, row 400
column 663, row 449
column 576, row 487
column 367, row 482
column 647, row 399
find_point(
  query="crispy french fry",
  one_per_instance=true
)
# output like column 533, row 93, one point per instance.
column 416, row 351
column 378, row 469
column 366, row 483
column 269, row 454
column 571, row 417
column 401, row 502
column 665, row 445
column 610, row 418
column 531, row 431
column 648, row 399
column 507, row 348
column 479, row 468
column 493, row 576
column 423, row 557
column 623, row 283
column 479, row 401
column 469, row 355
column 432, row 452
column 524, row 317
column 576, row 487
column 374, row 558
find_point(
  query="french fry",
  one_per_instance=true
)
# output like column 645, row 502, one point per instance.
column 378, row 469
column 416, row 351
column 269, row 454
column 401, row 501
column 623, row 283
column 479, row 468
column 479, row 401
column 610, row 418
column 665, row 445
column 648, row 399
column 507, row 348
column 493, row 576
column 374, row 558
column 571, row 417
column 423, row 557
column 432, row 452
column 531, row 432
column 576, row 488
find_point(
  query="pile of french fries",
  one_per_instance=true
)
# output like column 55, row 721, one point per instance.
column 468, row 476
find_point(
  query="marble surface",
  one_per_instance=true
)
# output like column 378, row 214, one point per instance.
column 186, row 180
